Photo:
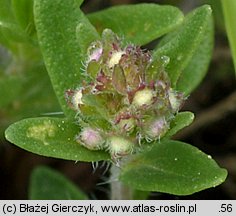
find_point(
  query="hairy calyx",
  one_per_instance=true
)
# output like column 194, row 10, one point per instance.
column 126, row 98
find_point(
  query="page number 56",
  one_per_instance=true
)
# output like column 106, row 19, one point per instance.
column 226, row 208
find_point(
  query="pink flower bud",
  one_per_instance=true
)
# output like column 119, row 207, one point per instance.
column 157, row 128
column 90, row 139
column 95, row 51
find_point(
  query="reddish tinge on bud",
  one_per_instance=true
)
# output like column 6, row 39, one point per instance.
column 90, row 138
column 156, row 129
column 126, row 97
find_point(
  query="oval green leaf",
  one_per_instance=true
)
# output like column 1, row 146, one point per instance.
column 13, row 32
column 197, row 66
column 181, row 45
column 51, row 137
column 56, row 22
column 10, row 87
column 23, row 11
column 173, row 167
column 85, row 34
column 48, row 184
column 229, row 8
column 26, row 95
column 6, row 14
column 139, row 23
column 181, row 120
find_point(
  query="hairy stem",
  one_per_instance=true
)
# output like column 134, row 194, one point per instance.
column 118, row 190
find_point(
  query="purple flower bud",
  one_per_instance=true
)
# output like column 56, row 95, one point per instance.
column 95, row 51
column 90, row 138
column 157, row 128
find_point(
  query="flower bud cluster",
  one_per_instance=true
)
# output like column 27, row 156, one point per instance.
column 126, row 97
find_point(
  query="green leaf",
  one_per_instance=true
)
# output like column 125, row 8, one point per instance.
column 56, row 22
column 85, row 34
column 180, row 46
column 229, row 9
column 140, row 195
column 48, row 184
column 51, row 137
column 181, row 120
column 139, row 23
column 8, row 25
column 217, row 10
column 4, row 41
column 10, row 87
column 173, row 167
column 13, row 32
column 25, row 95
column 197, row 67
column 36, row 96
column 99, row 107
column 23, row 11
column 6, row 14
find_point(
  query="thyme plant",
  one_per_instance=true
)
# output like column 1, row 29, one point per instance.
column 122, row 103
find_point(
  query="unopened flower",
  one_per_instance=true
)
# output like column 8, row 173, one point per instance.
column 74, row 98
column 119, row 146
column 115, row 58
column 176, row 99
column 156, row 128
column 126, row 99
column 90, row 138
column 143, row 97
column 95, row 51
